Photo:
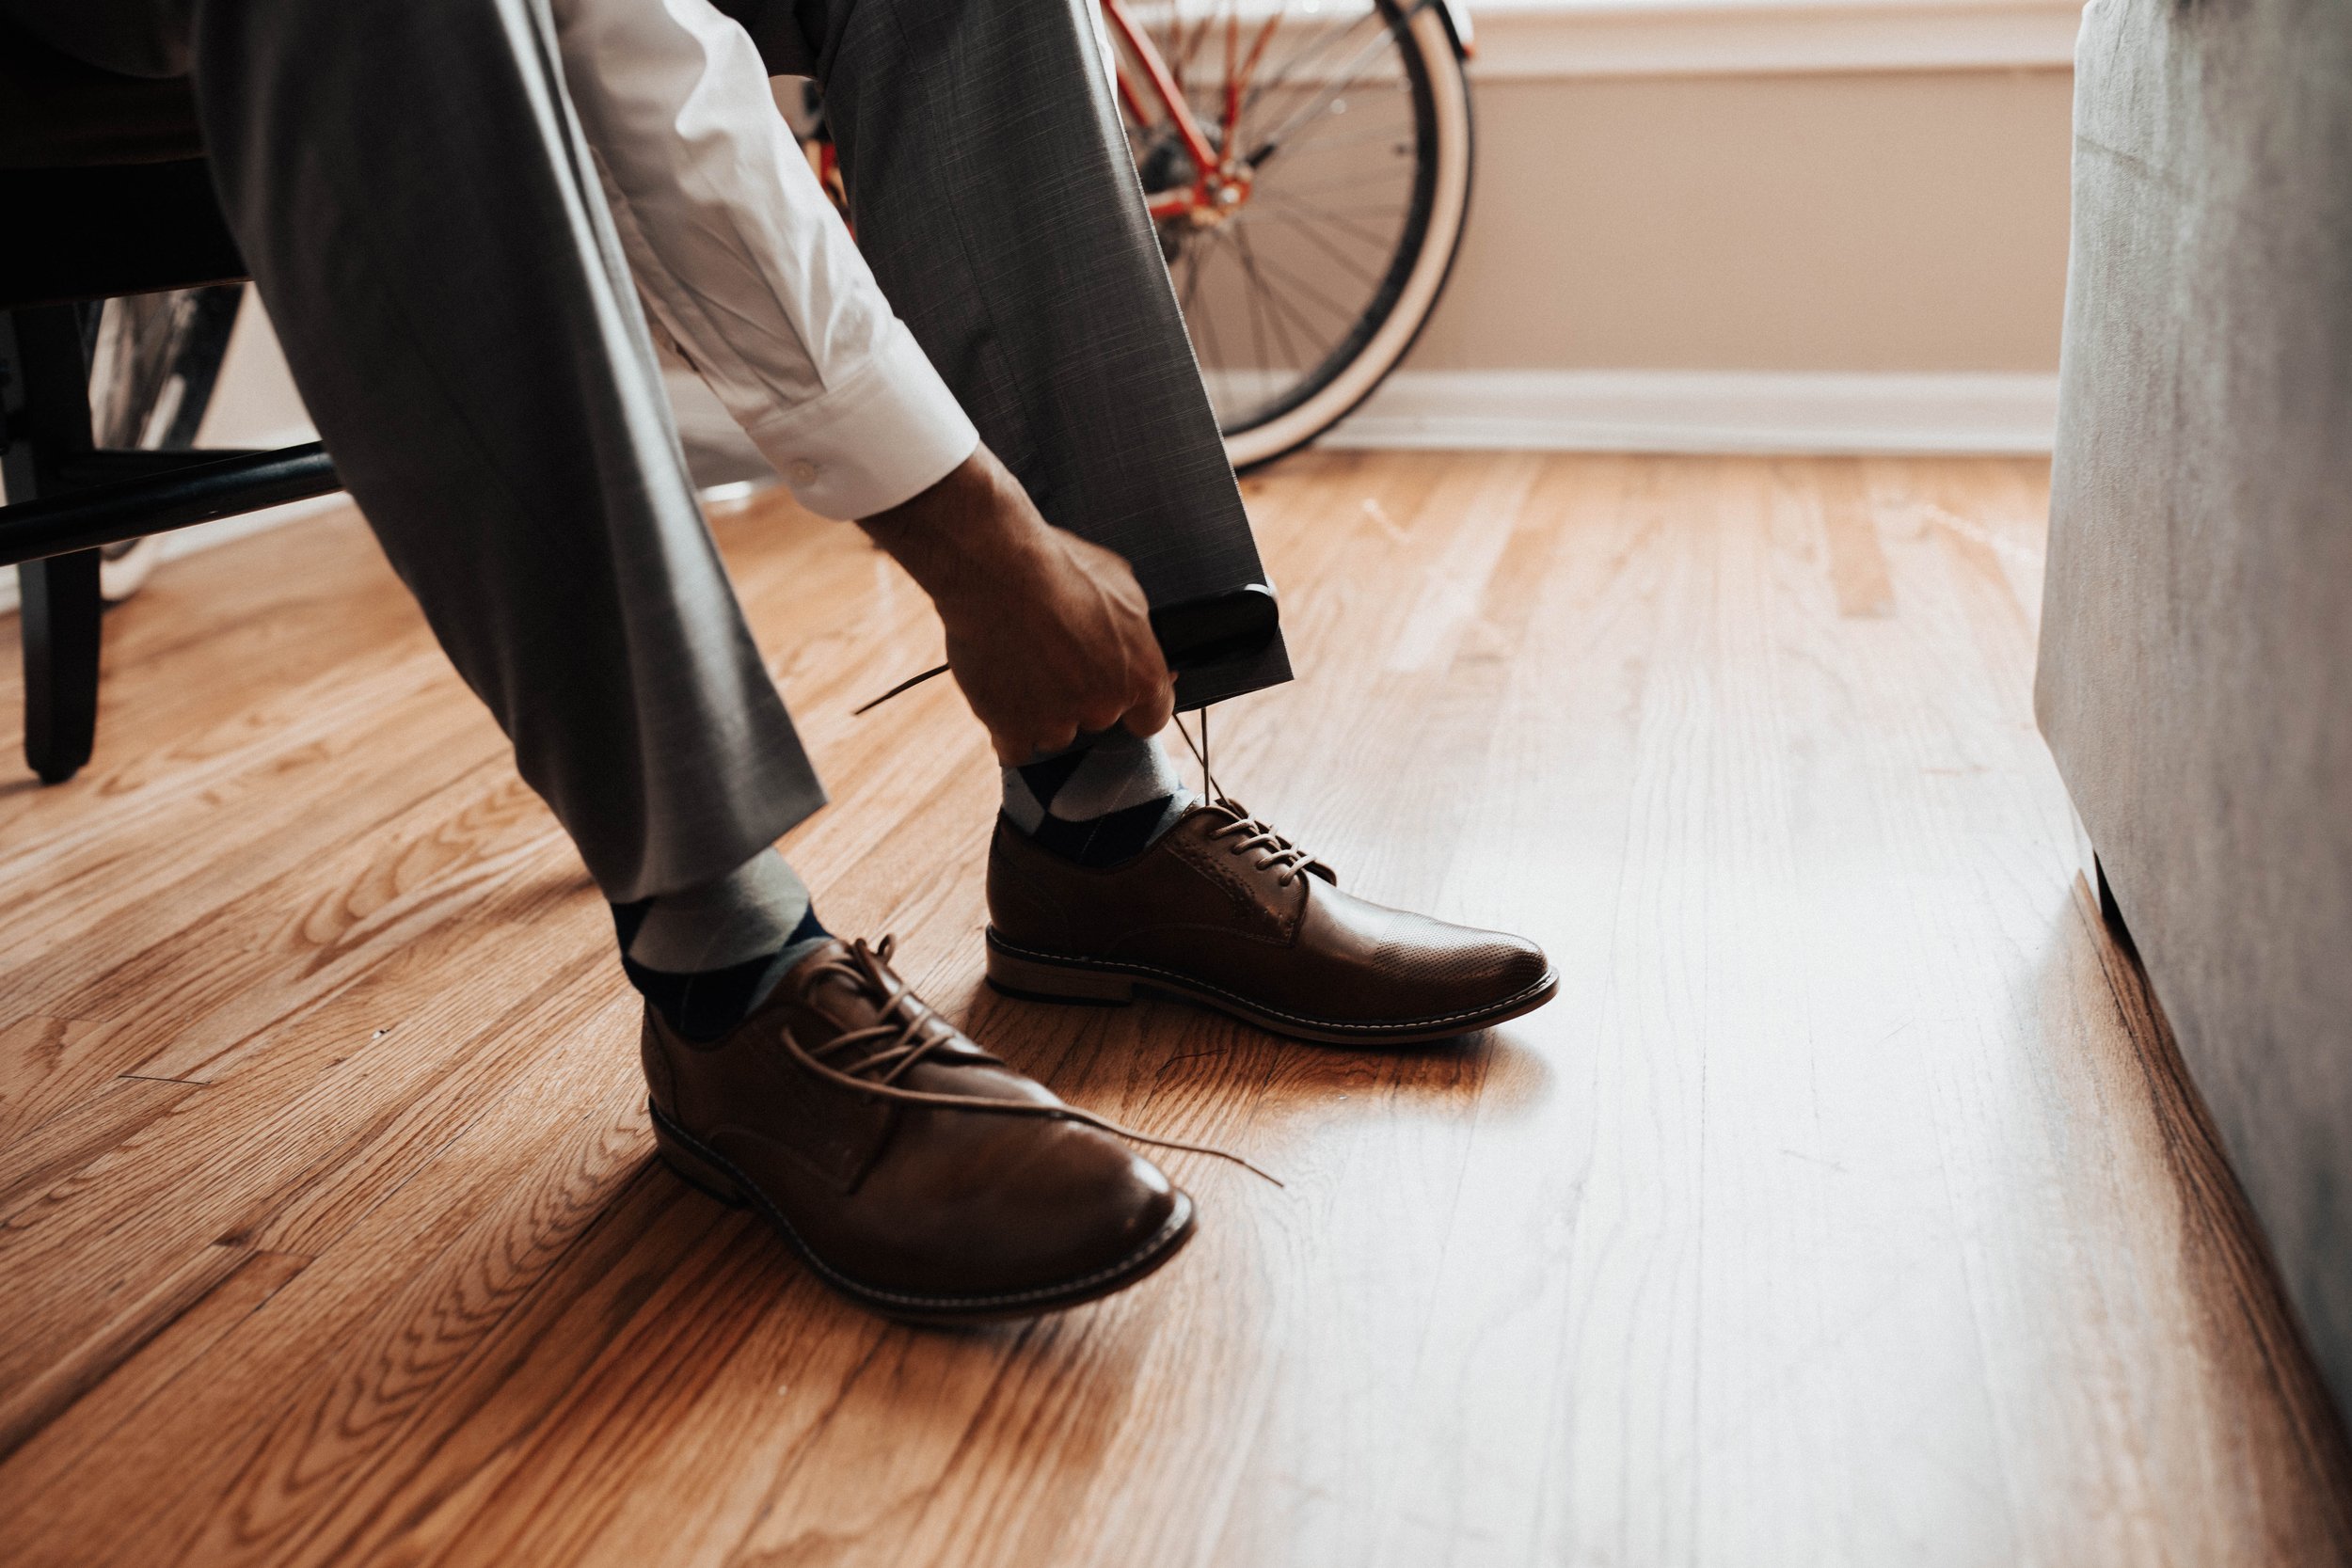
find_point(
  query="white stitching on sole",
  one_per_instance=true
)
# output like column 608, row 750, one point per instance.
column 1113, row 966
column 1176, row 1221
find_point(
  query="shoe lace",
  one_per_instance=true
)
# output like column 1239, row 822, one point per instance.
column 1275, row 852
column 910, row 1030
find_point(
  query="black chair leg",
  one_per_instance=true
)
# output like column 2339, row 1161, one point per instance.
column 59, row 621
column 48, row 426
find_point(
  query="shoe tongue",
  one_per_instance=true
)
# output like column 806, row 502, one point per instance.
column 839, row 1000
column 839, row 994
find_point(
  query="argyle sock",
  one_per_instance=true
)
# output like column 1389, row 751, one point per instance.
column 706, row 957
column 1100, row 802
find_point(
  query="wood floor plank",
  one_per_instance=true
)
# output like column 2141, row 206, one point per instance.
column 231, row 1162
column 404, row 1352
column 183, row 847
column 1468, row 1475
column 1848, row 1205
column 206, row 998
column 73, row 1365
column 50, row 1457
column 207, row 639
column 438, row 1450
column 803, row 1361
column 78, row 1133
column 326, row 1018
column 47, row 1065
column 356, row 1342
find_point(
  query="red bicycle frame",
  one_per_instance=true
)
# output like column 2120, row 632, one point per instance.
column 1220, row 180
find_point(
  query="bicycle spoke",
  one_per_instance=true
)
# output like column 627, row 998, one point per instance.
column 1293, row 63
column 1383, row 176
column 1276, row 301
column 1204, row 98
column 1249, row 264
column 1255, row 310
column 1346, row 318
column 1270, row 142
column 1309, row 142
column 1190, row 49
column 1347, row 226
column 1236, row 92
column 1320, row 134
column 1275, row 194
column 1302, row 287
column 1208, row 320
column 1192, row 281
column 1220, row 246
column 1339, row 258
column 1280, row 310
column 1298, row 212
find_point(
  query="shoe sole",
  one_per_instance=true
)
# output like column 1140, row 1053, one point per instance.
column 708, row 1171
column 1034, row 976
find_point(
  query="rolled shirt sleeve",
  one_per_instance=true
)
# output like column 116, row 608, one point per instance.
column 742, row 262
column 887, row 431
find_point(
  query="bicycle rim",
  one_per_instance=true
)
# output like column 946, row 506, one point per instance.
column 1303, row 298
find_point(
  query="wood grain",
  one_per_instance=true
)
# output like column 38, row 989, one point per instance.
column 1850, row 1206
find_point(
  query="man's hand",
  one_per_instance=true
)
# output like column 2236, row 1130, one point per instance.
column 1048, row 634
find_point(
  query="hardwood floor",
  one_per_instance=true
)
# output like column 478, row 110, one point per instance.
column 1847, row 1207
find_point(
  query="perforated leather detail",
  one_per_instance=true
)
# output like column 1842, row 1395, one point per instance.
column 1417, row 951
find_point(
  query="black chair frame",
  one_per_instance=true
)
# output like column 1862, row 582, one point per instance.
column 80, row 235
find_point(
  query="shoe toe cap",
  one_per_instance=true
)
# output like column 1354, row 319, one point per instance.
column 1008, row 1207
column 1461, row 959
column 1405, row 966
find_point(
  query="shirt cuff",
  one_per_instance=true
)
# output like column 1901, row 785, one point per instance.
column 884, row 435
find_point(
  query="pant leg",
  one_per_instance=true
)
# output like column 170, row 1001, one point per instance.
column 412, row 193
column 997, row 201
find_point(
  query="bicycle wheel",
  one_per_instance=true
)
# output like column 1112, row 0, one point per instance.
column 1310, row 246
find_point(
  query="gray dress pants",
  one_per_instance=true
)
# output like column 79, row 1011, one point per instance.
column 423, row 220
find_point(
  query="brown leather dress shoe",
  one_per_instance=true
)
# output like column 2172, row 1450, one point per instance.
column 1223, row 910
column 916, row 1174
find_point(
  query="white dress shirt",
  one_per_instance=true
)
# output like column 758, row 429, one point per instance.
column 743, row 265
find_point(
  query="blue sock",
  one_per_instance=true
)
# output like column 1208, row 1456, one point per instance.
column 1102, row 801
column 706, row 957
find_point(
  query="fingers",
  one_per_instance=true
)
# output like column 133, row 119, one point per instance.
column 1152, row 688
column 1019, row 749
column 1068, row 652
column 1093, row 695
column 1152, row 715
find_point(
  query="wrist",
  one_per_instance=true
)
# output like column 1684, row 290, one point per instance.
column 965, row 535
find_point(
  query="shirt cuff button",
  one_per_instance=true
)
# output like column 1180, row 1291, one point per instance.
column 802, row 473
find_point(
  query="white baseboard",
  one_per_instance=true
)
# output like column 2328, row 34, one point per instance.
column 1684, row 411
column 1701, row 411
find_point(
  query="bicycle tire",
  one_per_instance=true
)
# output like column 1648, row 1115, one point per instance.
column 1429, row 240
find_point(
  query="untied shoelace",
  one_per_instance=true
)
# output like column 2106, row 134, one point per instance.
column 906, row 1037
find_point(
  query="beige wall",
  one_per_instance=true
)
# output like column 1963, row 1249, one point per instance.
column 1909, row 221
column 255, row 404
column 1904, row 221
